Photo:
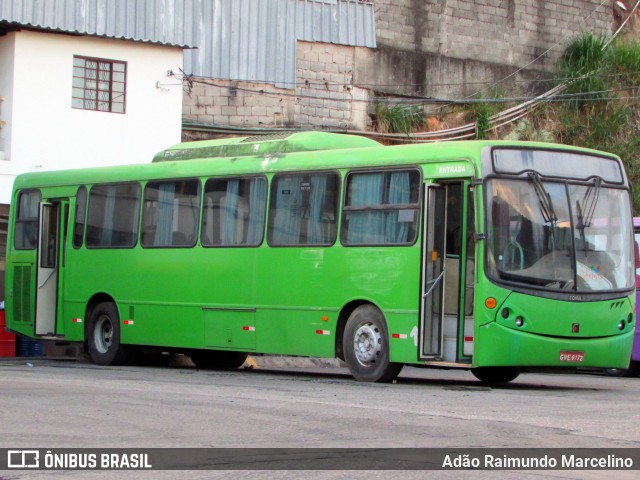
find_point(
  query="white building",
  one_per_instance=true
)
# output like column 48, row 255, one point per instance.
column 81, row 88
column 55, row 113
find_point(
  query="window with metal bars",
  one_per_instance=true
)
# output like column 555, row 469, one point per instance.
column 98, row 84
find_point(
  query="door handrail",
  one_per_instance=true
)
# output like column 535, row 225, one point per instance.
column 435, row 282
column 48, row 278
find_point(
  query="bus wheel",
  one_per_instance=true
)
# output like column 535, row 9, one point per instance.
column 496, row 374
column 216, row 359
column 632, row 371
column 104, row 336
column 366, row 346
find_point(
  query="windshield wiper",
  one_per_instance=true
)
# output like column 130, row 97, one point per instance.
column 587, row 209
column 589, row 201
column 546, row 205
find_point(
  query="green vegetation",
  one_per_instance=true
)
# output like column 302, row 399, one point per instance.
column 610, row 118
column 480, row 113
column 399, row 118
column 579, row 65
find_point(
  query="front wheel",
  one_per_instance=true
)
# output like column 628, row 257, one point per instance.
column 496, row 374
column 103, row 336
column 632, row 371
column 366, row 346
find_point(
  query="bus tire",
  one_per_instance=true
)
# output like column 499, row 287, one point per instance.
column 103, row 336
column 217, row 359
column 366, row 346
column 632, row 371
column 496, row 374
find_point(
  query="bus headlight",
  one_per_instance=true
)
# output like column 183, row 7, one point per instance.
column 621, row 325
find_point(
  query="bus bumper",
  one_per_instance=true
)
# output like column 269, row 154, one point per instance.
column 502, row 346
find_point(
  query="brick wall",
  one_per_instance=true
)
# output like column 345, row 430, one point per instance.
column 228, row 102
column 325, row 93
column 323, row 97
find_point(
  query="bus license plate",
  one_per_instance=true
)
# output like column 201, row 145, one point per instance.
column 571, row 356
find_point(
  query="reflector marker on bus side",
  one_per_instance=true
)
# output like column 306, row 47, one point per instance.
column 468, row 339
column 76, row 320
column 128, row 322
column 248, row 328
column 402, row 336
column 323, row 332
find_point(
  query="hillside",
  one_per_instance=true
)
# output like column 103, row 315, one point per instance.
column 593, row 101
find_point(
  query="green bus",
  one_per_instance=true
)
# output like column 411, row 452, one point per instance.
column 491, row 256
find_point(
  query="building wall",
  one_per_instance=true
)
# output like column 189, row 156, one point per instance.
column 47, row 134
column 324, row 95
column 239, row 103
column 7, row 48
column 433, row 47
column 429, row 48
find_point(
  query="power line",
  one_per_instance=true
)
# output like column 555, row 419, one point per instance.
column 408, row 101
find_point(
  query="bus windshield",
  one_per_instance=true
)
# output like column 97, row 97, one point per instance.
column 559, row 236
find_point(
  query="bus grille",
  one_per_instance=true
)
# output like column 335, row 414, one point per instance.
column 22, row 293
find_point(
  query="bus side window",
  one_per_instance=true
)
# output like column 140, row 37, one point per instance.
column 26, row 228
column 303, row 209
column 170, row 213
column 112, row 219
column 234, row 212
column 381, row 208
column 81, row 210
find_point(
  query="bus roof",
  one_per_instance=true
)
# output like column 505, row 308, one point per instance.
column 300, row 151
column 263, row 145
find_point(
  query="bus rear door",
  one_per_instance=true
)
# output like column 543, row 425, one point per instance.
column 50, row 255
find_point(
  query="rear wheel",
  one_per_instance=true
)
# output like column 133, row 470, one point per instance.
column 366, row 346
column 103, row 336
column 216, row 359
column 496, row 374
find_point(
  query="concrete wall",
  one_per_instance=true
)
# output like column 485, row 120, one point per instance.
column 43, row 132
column 443, row 48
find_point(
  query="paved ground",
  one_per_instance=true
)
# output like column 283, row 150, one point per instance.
column 55, row 404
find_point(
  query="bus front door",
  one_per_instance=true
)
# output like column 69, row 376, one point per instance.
column 47, row 269
column 433, row 248
column 446, row 314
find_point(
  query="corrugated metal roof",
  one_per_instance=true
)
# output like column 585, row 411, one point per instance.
column 255, row 40
column 251, row 40
column 169, row 22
